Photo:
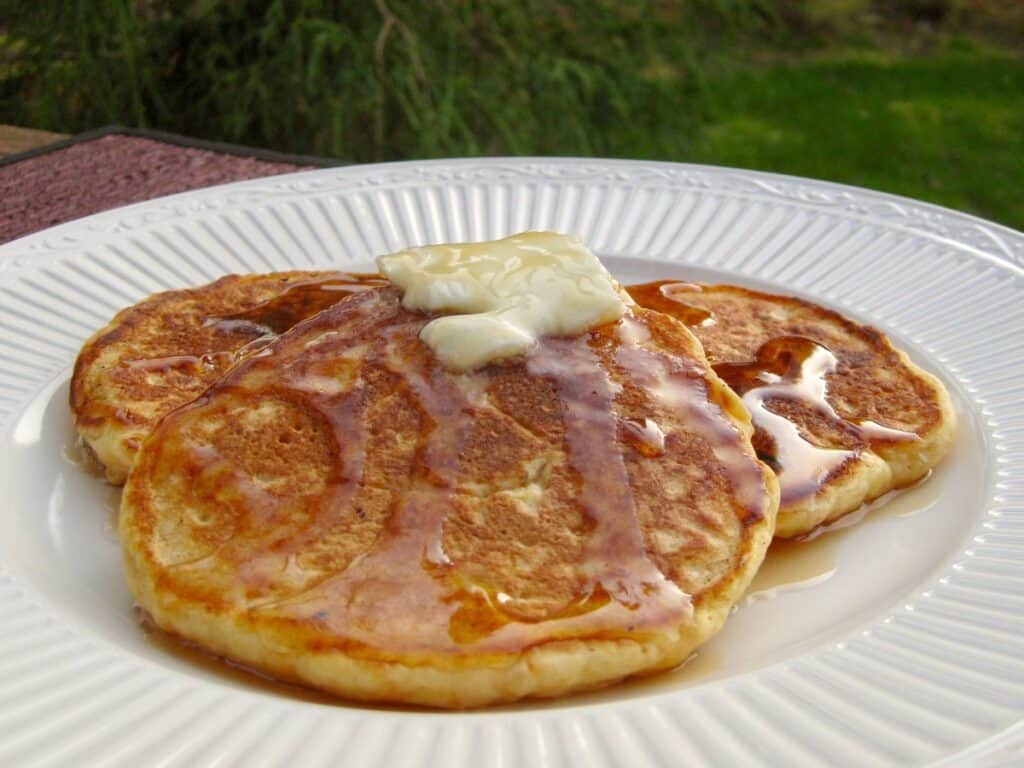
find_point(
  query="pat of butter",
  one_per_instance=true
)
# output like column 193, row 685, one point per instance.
column 508, row 292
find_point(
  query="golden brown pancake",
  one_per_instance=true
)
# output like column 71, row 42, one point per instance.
column 342, row 512
column 164, row 351
column 840, row 414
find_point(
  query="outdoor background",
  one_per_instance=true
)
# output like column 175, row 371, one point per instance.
column 921, row 97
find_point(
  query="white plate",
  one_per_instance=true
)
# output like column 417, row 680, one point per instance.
column 904, row 646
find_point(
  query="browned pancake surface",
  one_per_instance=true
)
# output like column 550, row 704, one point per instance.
column 341, row 499
column 165, row 350
column 844, row 393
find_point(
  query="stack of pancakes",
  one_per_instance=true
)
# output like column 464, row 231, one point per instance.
column 310, row 493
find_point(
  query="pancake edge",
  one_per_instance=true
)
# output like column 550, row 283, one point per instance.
column 878, row 469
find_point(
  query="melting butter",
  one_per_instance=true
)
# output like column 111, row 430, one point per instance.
column 507, row 293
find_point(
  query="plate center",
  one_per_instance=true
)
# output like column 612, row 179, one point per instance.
column 59, row 539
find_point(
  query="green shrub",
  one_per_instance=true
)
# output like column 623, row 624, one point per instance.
column 380, row 80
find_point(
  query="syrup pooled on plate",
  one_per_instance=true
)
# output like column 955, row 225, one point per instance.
column 806, row 561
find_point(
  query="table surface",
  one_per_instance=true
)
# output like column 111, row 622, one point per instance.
column 52, row 183
column 14, row 139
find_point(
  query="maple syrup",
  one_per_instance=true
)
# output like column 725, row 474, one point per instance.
column 784, row 368
column 407, row 578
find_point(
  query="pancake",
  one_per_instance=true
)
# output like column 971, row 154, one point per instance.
column 342, row 512
column 840, row 414
column 164, row 351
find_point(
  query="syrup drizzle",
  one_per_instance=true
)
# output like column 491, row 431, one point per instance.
column 646, row 436
column 616, row 558
column 296, row 303
column 244, row 333
column 407, row 579
column 789, row 368
column 402, row 580
column 685, row 390
column 260, row 561
column 879, row 433
column 786, row 367
column 193, row 364
column 668, row 296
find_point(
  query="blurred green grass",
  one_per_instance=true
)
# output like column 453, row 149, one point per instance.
column 947, row 128
column 921, row 97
